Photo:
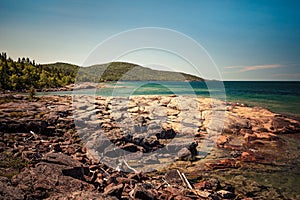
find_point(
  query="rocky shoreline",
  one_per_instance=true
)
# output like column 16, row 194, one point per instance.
column 50, row 147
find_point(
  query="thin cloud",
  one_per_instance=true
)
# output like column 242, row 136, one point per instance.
column 259, row 67
column 253, row 67
column 232, row 67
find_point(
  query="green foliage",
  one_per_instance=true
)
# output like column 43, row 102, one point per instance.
column 120, row 71
column 25, row 74
column 31, row 93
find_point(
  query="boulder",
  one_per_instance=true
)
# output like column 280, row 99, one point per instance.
column 188, row 153
column 193, row 149
column 222, row 140
column 166, row 134
column 184, row 154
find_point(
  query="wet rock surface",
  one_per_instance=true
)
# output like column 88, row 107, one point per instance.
column 43, row 155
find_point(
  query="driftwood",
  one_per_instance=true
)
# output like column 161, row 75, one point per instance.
column 184, row 180
column 179, row 173
column 135, row 171
column 33, row 135
column 187, row 181
column 189, row 186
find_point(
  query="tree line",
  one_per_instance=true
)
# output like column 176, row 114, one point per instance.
column 25, row 73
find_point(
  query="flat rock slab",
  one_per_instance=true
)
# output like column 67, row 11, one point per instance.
column 56, row 173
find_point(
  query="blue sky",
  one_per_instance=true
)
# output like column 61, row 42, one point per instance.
column 248, row 40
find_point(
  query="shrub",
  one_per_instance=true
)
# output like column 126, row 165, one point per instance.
column 31, row 93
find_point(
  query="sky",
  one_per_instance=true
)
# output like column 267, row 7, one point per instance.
column 247, row 40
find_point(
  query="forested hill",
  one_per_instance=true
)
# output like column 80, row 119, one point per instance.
column 24, row 73
column 122, row 71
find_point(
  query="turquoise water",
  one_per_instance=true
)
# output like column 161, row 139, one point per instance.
column 280, row 97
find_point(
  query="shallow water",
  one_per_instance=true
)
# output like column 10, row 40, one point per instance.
column 279, row 97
